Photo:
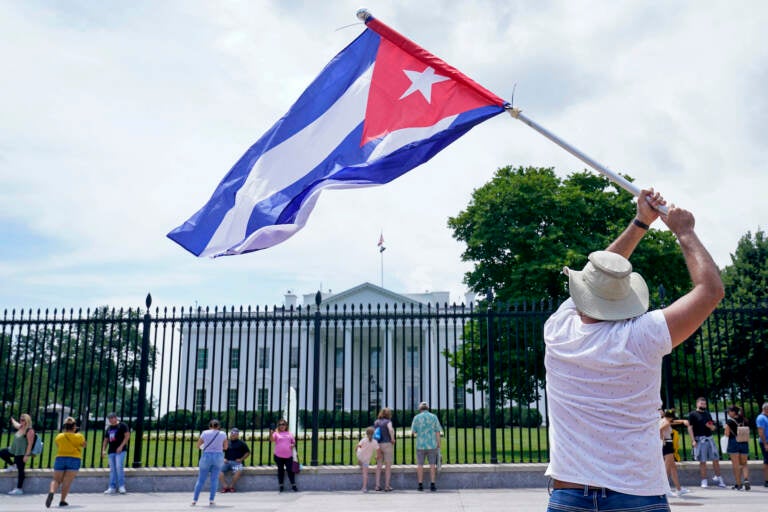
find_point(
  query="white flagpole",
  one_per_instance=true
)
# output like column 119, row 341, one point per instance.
column 608, row 173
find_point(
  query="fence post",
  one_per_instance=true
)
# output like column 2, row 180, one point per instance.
column 316, row 383
column 491, row 377
column 143, row 377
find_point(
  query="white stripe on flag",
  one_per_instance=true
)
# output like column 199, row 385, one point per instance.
column 290, row 160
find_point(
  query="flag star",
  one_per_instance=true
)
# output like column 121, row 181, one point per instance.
column 422, row 82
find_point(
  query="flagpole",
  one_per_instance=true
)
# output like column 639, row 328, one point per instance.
column 608, row 173
column 381, row 254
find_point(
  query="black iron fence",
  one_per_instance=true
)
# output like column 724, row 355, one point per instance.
column 328, row 371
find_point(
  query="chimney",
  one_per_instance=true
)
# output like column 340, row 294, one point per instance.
column 290, row 299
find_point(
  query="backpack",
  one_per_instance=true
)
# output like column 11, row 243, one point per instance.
column 377, row 434
column 742, row 434
column 37, row 448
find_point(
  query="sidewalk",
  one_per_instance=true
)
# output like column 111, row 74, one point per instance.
column 474, row 500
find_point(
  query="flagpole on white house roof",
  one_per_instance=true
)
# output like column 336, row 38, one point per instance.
column 381, row 257
column 608, row 173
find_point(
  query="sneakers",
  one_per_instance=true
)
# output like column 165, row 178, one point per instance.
column 682, row 491
column 16, row 492
column 736, row 487
column 673, row 493
column 48, row 500
column 719, row 481
column 63, row 504
column 111, row 490
column 704, row 483
column 295, row 489
column 746, row 485
column 420, row 487
column 12, row 467
column 122, row 490
column 432, row 487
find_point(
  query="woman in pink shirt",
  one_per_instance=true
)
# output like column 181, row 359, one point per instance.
column 284, row 443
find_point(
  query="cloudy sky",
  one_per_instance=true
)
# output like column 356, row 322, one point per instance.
column 118, row 120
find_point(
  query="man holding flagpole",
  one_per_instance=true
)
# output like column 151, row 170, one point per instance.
column 603, row 361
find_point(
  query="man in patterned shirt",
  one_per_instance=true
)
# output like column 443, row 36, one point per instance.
column 426, row 427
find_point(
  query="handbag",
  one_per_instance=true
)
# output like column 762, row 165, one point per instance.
column 295, row 465
column 742, row 434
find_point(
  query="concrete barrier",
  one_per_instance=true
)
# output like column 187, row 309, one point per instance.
column 334, row 478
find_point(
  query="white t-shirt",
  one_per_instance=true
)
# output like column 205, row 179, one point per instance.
column 603, row 396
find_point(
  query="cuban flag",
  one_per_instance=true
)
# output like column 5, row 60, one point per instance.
column 381, row 107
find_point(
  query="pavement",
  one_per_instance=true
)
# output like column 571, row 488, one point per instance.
column 470, row 500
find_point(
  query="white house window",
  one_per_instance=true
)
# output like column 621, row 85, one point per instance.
column 263, row 398
column 412, row 356
column 375, row 356
column 264, row 357
column 199, row 400
column 294, row 356
column 234, row 359
column 202, row 358
column 338, row 399
column 232, row 399
column 339, row 360
column 459, row 397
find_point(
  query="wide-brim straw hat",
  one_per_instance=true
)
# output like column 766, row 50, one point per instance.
column 607, row 289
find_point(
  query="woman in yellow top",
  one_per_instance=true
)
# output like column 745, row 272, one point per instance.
column 69, row 446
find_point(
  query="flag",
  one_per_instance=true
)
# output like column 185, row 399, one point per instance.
column 381, row 243
column 380, row 108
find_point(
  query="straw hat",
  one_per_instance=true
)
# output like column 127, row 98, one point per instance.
column 607, row 289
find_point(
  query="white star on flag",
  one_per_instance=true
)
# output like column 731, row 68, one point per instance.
column 422, row 82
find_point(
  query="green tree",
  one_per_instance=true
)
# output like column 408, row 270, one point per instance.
column 746, row 327
column 520, row 229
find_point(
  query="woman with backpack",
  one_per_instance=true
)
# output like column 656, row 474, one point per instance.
column 737, row 432
column 17, row 455
column 386, row 452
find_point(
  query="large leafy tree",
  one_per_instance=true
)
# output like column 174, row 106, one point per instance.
column 746, row 322
column 520, row 229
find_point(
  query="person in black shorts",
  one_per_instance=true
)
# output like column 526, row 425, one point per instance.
column 234, row 456
column 668, row 449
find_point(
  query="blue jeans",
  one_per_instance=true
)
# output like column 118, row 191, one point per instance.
column 576, row 500
column 116, row 470
column 210, row 464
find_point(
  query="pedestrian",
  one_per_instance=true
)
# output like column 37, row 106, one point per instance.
column 700, row 428
column 762, row 432
column 212, row 442
column 17, row 455
column 234, row 456
column 386, row 453
column 115, row 447
column 603, row 354
column 668, row 449
column 364, row 452
column 285, row 443
column 737, row 432
column 69, row 452
column 427, row 429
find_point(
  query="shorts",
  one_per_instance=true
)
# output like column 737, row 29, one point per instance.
column 387, row 452
column 431, row 455
column 232, row 466
column 668, row 448
column 574, row 500
column 705, row 449
column 735, row 447
column 66, row 464
column 765, row 453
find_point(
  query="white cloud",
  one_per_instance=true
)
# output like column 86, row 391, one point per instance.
column 116, row 125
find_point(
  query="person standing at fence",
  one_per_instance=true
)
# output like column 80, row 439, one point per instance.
column 737, row 432
column 284, row 445
column 115, row 447
column 17, row 455
column 762, row 432
column 364, row 452
column 668, row 449
column 69, row 452
column 427, row 429
column 386, row 452
column 603, row 354
column 212, row 442
column 700, row 428
column 234, row 456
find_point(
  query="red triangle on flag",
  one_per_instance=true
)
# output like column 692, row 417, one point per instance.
column 395, row 100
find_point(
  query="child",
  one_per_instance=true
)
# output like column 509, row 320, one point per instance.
column 365, row 450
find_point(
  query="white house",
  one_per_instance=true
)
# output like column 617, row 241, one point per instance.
column 377, row 348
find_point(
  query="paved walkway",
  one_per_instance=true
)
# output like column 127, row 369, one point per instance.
column 475, row 500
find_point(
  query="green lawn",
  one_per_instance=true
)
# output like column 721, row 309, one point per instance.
column 460, row 446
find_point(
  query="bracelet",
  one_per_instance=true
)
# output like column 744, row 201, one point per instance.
column 642, row 225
